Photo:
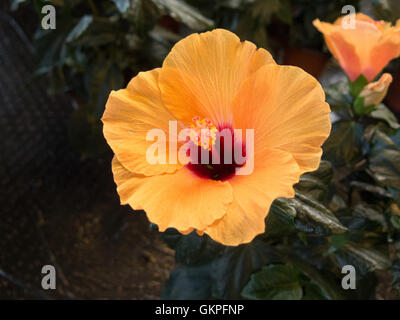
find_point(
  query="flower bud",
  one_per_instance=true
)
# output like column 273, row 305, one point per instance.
column 375, row 92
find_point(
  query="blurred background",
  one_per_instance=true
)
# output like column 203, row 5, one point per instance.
column 58, row 200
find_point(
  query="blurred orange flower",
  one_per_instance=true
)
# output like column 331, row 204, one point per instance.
column 230, row 83
column 365, row 49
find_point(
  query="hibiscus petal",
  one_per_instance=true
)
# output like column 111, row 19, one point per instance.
column 203, row 72
column 343, row 50
column 180, row 200
column 387, row 49
column 365, row 49
column 288, row 111
column 130, row 113
column 274, row 174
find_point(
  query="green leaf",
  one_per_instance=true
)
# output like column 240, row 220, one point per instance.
column 371, row 188
column 359, row 105
column 103, row 77
column 280, row 219
column 50, row 45
column 285, row 12
column 360, row 108
column 122, row 5
column 189, row 283
column 357, row 85
column 233, row 4
column 337, row 241
column 184, row 13
column 284, row 209
column 372, row 213
column 80, row 28
column 274, row 282
column 363, row 259
column 313, row 292
column 383, row 113
column 307, row 209
column 387, row 10
column 15, row 4
column 317, row 215
column 384, row 158
column 396, row 273
column 316, row 184
column 234, row 268
column 395, row 221
column 324, row 280
column 344, row 144
column 338, row 95
column 257, row 15
column 368, row 109
column 144, row 15
column 192, row 249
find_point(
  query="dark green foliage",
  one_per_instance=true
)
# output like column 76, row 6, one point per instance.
column 345, row 143
column 192, row 249
column 234, row 268
column 274, row 282
column 190, row 283
column 384, row 159
column 388, row 10
column 357, row 85
column 396, row 273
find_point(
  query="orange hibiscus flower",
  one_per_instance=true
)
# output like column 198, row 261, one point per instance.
column 365, row 49
column 214, row 80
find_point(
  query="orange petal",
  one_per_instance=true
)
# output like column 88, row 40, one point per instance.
column 203, row 72
column 274, row 174
column 364, row 37
column 186, row 232
column 343, row 50
column 387, row 49
column 359, row 17
column 130, row 113
column 288, row 112
column 180, row 200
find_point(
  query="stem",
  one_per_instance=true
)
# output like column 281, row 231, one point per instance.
column 93, row 7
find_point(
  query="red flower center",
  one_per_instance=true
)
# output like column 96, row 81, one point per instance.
column 215, row 157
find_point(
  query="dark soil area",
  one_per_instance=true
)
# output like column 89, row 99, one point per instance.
column 101, row 250
column 59, row 208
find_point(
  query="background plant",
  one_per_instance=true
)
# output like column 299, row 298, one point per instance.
column 346, row 212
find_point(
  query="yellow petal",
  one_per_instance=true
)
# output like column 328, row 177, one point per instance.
column 130, row 113
column 288, row 112
column 180, row 200
column 203, row 72
column 274, row 174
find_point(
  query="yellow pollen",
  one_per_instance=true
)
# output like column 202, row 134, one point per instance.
column 380, row 25
column 203, row 133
